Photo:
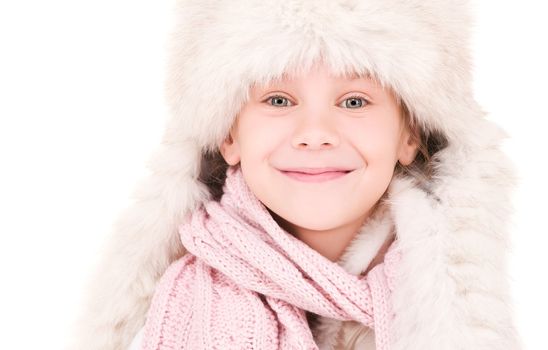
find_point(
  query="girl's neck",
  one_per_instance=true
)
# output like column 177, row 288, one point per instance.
column 329, row 243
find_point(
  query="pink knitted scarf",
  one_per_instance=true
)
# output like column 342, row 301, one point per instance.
column 246, row 283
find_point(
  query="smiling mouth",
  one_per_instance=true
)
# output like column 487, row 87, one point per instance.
column 318, row 177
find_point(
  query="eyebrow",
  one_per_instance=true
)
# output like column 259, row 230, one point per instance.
column 284, row 83
column 356, row 76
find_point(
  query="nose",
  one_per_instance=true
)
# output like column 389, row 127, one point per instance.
column 315, row 132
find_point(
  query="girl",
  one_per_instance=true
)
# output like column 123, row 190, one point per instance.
column 327, row 181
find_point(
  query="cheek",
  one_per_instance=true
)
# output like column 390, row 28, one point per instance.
column 259, row 137
column 376, row 143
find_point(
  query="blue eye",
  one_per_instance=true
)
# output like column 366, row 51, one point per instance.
column 355, row 101
column 277, row 99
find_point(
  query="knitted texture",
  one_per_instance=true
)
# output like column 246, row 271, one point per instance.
column 246, row 283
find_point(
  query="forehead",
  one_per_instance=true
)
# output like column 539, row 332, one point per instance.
column 321, row 79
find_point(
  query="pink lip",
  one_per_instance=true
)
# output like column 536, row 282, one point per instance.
column 315, row 175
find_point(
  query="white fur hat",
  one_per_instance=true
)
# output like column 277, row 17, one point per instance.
column 453, row 232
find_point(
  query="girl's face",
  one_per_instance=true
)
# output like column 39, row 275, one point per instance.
column 318, row 121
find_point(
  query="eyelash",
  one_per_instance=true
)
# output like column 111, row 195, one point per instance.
column 350, row 97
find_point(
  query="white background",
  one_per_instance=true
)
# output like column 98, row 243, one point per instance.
column 74, row 75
